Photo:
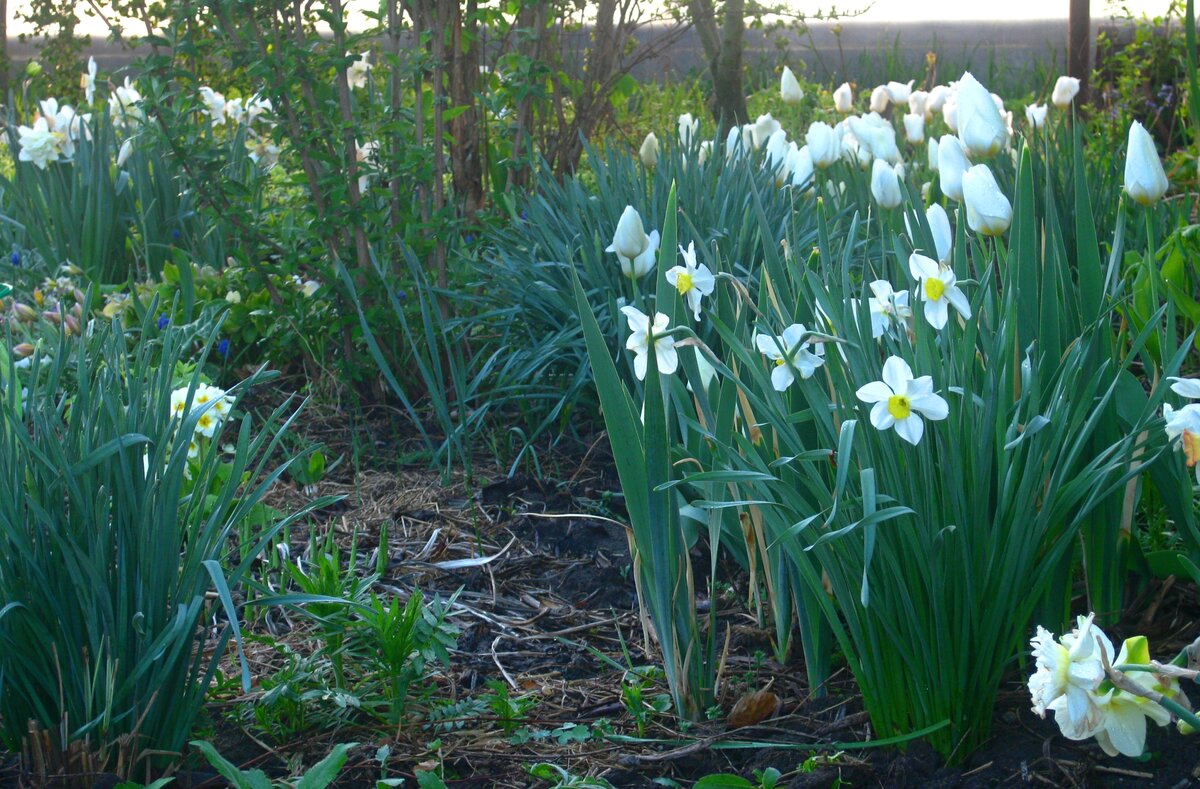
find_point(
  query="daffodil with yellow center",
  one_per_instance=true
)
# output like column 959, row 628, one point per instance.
column 693, row 280
column 900, row 401
column 939, row 289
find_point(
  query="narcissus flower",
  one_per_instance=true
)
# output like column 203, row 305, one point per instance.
column 123, row 104
column 1183, row 428
column 889, row 309
column 38, row 144
column 938, row 288
column 87, row 80
column 1123, row 727
column 1068, row 671
column 790, row 353
column 900, row 401
column 359, row 69
column 1145, row 180
column 693, row 280
column 642, row 333
column 214, row 105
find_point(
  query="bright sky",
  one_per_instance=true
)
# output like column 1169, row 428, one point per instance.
column 881, row 10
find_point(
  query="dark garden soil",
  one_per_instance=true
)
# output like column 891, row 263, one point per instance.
column 546, row 605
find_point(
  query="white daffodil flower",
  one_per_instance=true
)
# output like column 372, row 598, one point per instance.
column 938, row 287
column 1123, row 727
column 790, row 353
column 39, row 144
column 642, row 334
column 359, row 70
column 889, row 309
column 901, row 400
column 1068, row 672
column 123, row 105
column 87, row 81
column 693, row 280
column 235, row 110
column 214, row 105
column 1183, row 429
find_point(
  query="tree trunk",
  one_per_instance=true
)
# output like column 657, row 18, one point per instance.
column 466, row 163
column 1079, row 39
column 723, row 47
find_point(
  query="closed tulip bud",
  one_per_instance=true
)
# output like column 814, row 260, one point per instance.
column 789, row 87
column 78, row 295
column 649, row 150
column 125, row 152
column 704, row 152
column 762, row 130
column 843, row 98
column 932, row 159
column 880, row 99
column 988, row 211
column 916, row 102
column 23, row 312
column 1145, row 180
column 688, row 128
column 950, row 114
column 1036, row 115
column 23, row 351
column 53, row 316
column 72, row 325
column 899, row 92
column 914, row 128
column 630, row 239
column 952, row 163
column 1065, row 91
column 777, row 156
column 824, row 146
column 733, row 144
column 980, row 126
column 939, row 226
column 885, row 185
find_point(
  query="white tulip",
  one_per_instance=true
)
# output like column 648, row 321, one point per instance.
column 939, row 228
column 1065, row 91
column 125, row 152
column 789, row 87
column 649, row 150
column 1036, row 115
column 733, row 144
column 899, row 92
column 1145, row 180
column 635, row 250
column 916, row 102
column 801, row 166
column 843, row 98
column 914, row 128
column 950, row 113
column 764, row 126
column 980, row 125
column 704, row 152
column 777, row 153
column 952, row 163
column 932, row 157
column 988, row 210
column 824, row 146
column 880, row 98
column 937, row 99
column 688, row 128
column 885, row 185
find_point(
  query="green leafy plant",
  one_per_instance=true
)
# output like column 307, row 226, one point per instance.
column 319, row 776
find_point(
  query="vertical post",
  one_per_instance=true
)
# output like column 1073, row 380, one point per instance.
column 1079, row 44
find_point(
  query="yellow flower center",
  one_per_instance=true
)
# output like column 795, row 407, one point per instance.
column 1191, row 447
column 780, row 362
column 683, row 283
column 934, row 288
column 899, row 407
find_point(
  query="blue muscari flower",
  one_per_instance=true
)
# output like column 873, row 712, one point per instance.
column 223, row 347
column 402, row 295
column 15, row 259
column 175, row 233
column 468, row 238
column 163, row 320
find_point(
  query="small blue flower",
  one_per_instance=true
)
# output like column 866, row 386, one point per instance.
column 524, row 216
column 223, row 347
column 15, row 259
column 402, row 296
column 175, row 234
column 469, row 238
column 163, row 320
